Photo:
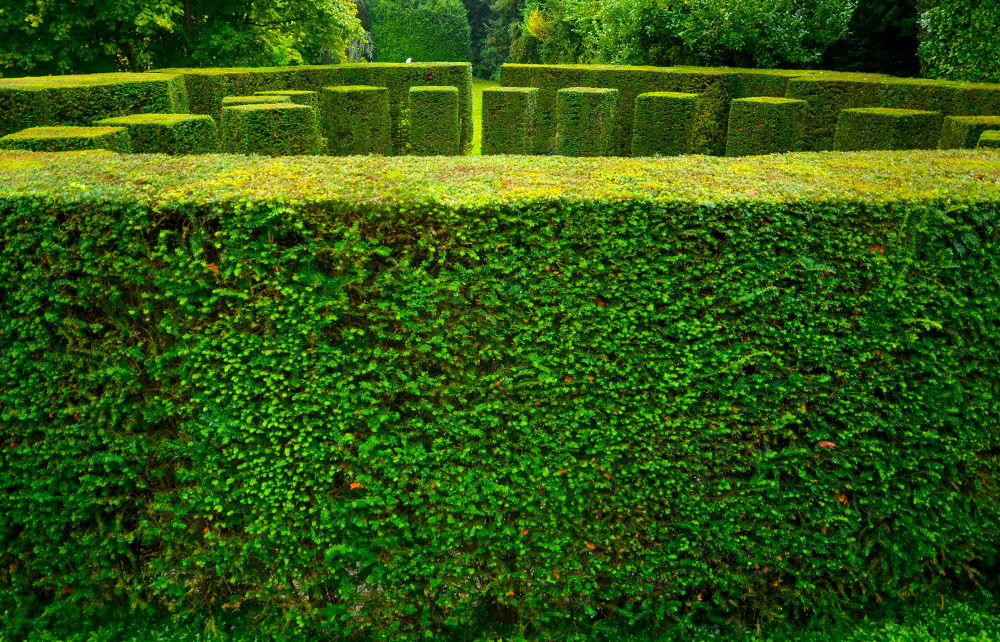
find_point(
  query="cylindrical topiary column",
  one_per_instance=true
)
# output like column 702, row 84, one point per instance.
column 764, row 125
column 585, row 121
column 989, row 140
column 297, row 96
column 168, row 133
column 435, row 129
column 871, row 128
column 963, row 132
column 68, row 139
column 355, row 120
column 281, row 129
column 509, row 120
column 663, row 123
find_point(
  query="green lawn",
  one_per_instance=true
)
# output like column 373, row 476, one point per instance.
column 477, row 112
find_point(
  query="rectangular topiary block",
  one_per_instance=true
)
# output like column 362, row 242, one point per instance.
column 764, row 125
column 963, row 132
column 873, row 128
column 663, row 123
column 168, row 133
column 68, row 139
column 80, row 100
column 585, row 121
column 435, row 129
column 509, row 120
column 280, row 129
column 297, row 96
column 355, row 120
column 232, row 101
column 989, row 140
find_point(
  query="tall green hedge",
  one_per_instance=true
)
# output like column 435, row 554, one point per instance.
column 434, row 121
column 80, row 100
column 424, row 30
column 877, row 128
column 664, row 123
column 963, row 132
column 509, row 120
column 168, row 133
column 355, row 120
column 585, row 121
column 989, row 139
column 297, row 96
column 233, row 101
column 421, row 391
column 67, row 139
column 275, row 129
column 764, row 126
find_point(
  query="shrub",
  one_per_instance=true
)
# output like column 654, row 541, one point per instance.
column 279, row 129
column 434, row 123
column 355, row 120
column 233, row 101
column 764, row 126
column 958, row 40
column 963, row 132
column 297, row 96
column 168, row 133
column 663, row 123
column 875, row 128
column 65, row 139
column 424, row 30
column 509, row 120
column 989, row 139
column 623, row 372
column 585, row 121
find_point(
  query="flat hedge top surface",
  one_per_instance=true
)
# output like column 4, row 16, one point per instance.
column 64, row 82
column 64, row 132
column 473, row 181
column 886, row 111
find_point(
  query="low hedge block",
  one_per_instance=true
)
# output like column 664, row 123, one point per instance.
column 297, row 96
column 585, row 121
column 875, row 128
column 963, row 132
column 68, row 139
column 355, row 120
column 233, row 101
column 989, row 140
column 280, row 129
column 509, row 120
column 168, row 133
column 663, row 123
column 760, row 126
column 435, row 129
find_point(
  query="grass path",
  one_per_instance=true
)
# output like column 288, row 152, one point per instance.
column 477, row 112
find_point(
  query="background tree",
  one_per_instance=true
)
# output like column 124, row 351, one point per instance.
column 424, row 30
column 882, row 38
column 960, row 40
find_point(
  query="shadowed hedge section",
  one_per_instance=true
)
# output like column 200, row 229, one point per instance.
column 989, row 139
column 355, row 120
column 585, row 121
column 69, row 139
column 509, row 120
column 434, row 121
column 270, row 129
column 168, row 133
column 663, row 124
column 764, row 126
column 426, row 390
column 297, row 96
column 963, row 132
column 875, row 128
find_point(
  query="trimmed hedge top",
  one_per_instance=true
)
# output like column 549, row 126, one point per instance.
column 40, row 83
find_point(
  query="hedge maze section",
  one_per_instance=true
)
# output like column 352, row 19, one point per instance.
column 963, row 132
column 764, row 126
column 435, row 129
column 66, row 139
column 81, row 100
column 586, row 121
column 233, row 101
column 355, row 120
column 297, row 96
column 280, row 129
column 989, row 140
column 877, row 128
column 509, row 120
column 168, row 133
column 664, row 123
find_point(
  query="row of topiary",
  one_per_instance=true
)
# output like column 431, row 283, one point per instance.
column 664, row 125
column 340, row 121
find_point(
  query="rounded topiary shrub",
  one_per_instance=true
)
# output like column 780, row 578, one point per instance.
column 424, row 30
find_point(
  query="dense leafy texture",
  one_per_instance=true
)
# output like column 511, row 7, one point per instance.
column 297, row 96
column 424, row 30
column 509, row 120
column 232, row 101
column 434, row 121
column 871, row 128
column 764, row 126
column 664, row 123
column 959, row 40
column 68, row 139
column 355, row 120
column 424, row 390
column 168, row 133
column 585, row 121
column 989, row 140
column 275, row 129
column 963, row 132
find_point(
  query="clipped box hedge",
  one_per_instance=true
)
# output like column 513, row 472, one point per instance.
column 963, row 132
column 66, row 139
column 427, row 390
column 207, row 87
column 435, row 129
column 509, row 120
column 764, row 126
column 877, row 128
column 355, row 120
column 275, row 129
column 297, row 96
column 80, row 100
column 168, row 133
column 233, row 101
column 989, row 139
column 585, row 121
column 664, row 123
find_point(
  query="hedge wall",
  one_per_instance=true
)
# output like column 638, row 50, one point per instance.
column 277, row 129
column 65, row 139
column 764, row 126
column 428, row 390
column 168, row 133
column 509, row 120
column 434, row 121
column 871, row 128
column 424, row 30
column 989, row 139
column 963, row 132
column 663, row 123
column 297, row 96
column 585, row 121
column 233, row 101
column 355, row 120
column 207, row 87
column 80, row 100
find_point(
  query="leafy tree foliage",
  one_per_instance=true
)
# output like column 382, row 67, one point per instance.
column 424, row 30
column 960, row 40
column 882, row 38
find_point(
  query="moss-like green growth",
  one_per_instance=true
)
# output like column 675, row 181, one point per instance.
column 80, row 100
column 280, row 129
column 355, row 120
column 509, row 120
column 67, row 139
column 664, row 123
column 297, row 96
column 963, row 132
column 434, row 123
column 874, row 128
column 585, row 121
column 168, row 133
column 207, row 87
column 989, row 139
column 233, row 101
column 764, row 126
